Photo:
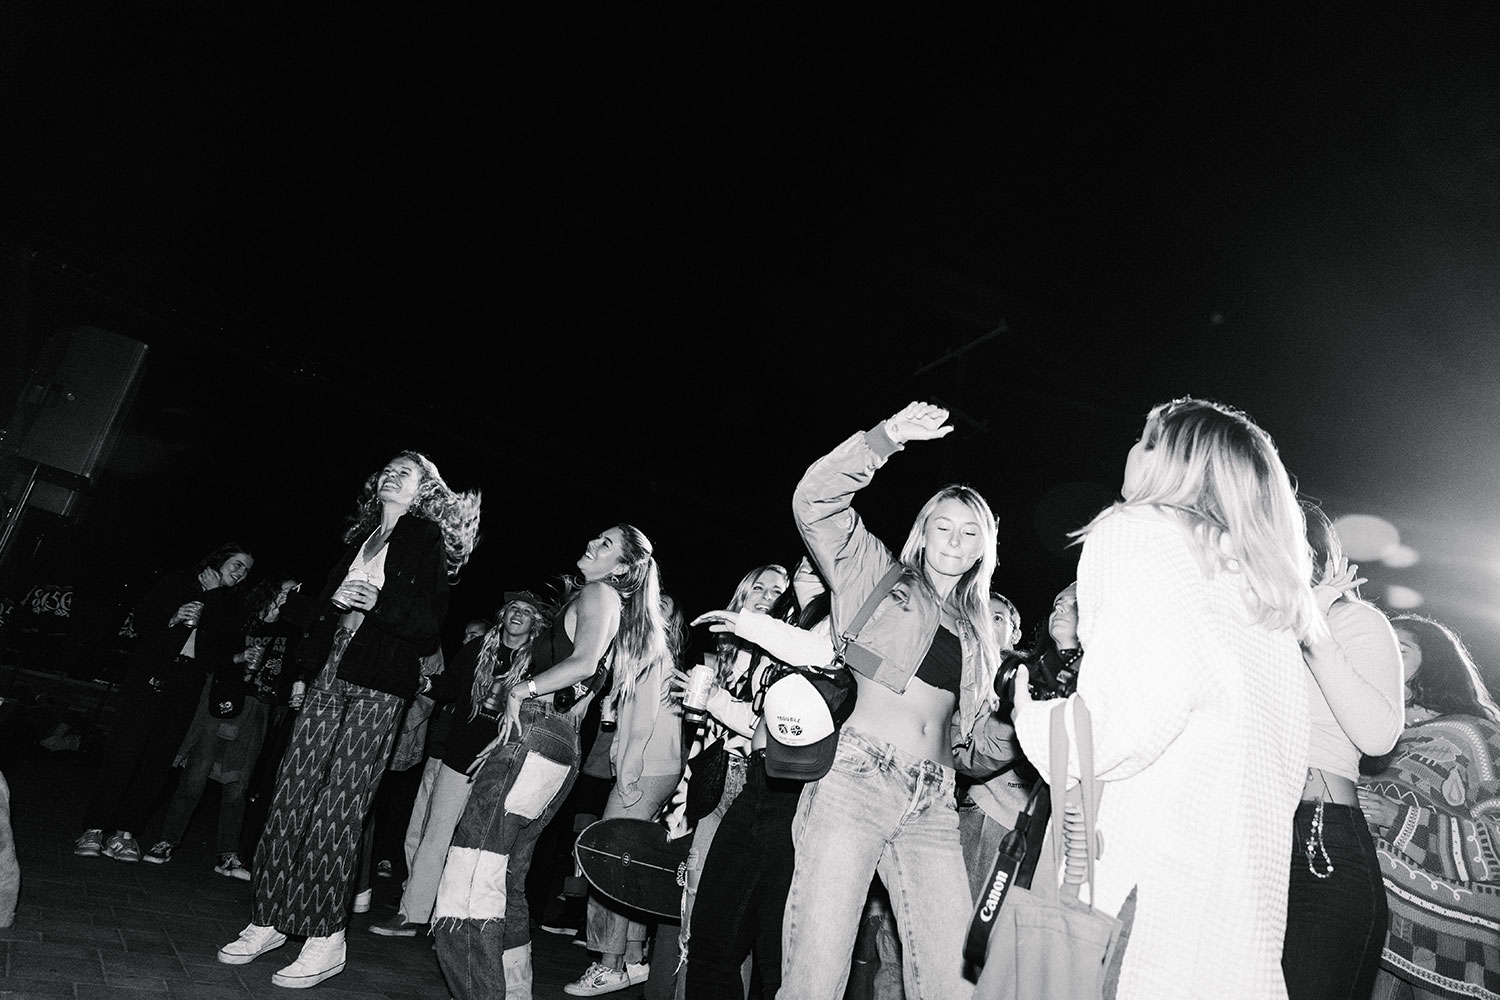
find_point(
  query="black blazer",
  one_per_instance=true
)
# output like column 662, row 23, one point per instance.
column 157, row 643
column 403, row 626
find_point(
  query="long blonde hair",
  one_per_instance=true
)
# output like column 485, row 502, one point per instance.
column 970, row 598
column 728, row 648
column 1221, row 474
column 489, row 654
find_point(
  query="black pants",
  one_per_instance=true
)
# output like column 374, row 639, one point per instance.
column 143, row 740
column 263, row 779
column 743, row 889
column 1335, row 926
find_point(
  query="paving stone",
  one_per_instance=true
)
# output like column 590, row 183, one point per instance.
column 97, row 929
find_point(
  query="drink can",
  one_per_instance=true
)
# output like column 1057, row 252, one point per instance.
column 699, row 686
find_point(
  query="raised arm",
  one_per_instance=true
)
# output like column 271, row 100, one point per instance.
column 1357, row 666
column 849, row 557
column 798, row 647
column 596, row 620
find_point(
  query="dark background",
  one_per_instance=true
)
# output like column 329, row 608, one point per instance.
column 646, row 264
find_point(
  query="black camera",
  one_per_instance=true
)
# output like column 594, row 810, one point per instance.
column 1053, row 674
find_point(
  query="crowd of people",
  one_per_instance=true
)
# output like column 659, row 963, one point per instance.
column 1299, row 792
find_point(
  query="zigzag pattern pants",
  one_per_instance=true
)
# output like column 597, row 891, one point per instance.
column 304, row 864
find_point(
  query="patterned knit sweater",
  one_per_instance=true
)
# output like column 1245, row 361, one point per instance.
column 1200, row 741
column 1441, row 857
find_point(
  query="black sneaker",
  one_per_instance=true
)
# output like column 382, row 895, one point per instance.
column 160, row 853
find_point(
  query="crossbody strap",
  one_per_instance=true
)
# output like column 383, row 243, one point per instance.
column 873, row 601
column 1010, row 869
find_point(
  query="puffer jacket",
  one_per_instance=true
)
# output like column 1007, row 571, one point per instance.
column 892, row 643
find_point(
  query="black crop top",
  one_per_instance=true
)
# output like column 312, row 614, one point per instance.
column 553, row 646
column 943, row 666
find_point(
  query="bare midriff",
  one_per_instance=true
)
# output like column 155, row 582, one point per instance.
column 1329, row 787
column 916, row 721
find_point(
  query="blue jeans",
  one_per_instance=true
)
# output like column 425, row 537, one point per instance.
column 611, row 928
column 481, row 911
column 879, row 809
column 1335, row 926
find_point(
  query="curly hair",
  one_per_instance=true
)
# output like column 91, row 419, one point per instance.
column 457, row 514
column 1448, row 680
column 262, row 598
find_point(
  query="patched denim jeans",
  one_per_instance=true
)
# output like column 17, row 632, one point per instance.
column 879, row 809
column 480, row 919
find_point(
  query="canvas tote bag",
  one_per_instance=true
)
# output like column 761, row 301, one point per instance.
column 1046, row 943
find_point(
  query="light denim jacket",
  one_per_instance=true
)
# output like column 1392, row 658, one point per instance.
column 891, row 645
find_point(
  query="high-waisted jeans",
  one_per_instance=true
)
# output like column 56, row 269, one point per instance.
column 1335, row 926
column 480, row 919
column 879, row 809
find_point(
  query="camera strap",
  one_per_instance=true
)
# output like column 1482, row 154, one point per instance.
column 1015, row 863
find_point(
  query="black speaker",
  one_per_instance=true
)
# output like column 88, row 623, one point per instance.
column 73, row 405
column 50, row 497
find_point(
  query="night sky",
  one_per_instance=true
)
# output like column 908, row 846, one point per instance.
column 646, row 265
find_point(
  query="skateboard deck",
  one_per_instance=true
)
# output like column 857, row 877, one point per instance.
column 632, row 862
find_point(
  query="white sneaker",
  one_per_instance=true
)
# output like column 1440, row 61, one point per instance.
column 598, row 979
column 253, row 942
column 321, row 958
column 362, row 901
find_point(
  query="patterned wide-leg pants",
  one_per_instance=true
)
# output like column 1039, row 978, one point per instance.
column 305, row 860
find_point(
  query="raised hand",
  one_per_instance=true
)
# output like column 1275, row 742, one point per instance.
column 1340, row 577
column 719, row 621
column 918, row 422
